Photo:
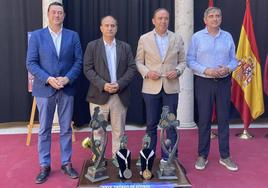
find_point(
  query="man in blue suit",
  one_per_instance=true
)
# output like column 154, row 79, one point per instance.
column 54, row 57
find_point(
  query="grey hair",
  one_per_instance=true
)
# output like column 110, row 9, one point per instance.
column 212, row 9
column 107, row 17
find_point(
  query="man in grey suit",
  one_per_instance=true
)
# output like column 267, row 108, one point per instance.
column 109, row 66
column 54, row 57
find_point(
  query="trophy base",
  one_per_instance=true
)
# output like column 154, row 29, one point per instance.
column 136, row 180
column 95, row 175
column 166, row 177
column 166, row 171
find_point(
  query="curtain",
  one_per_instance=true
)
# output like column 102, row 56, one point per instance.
column 134, row 19
column 17, row 17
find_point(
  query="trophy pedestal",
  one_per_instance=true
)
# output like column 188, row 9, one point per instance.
column 162, row 176
column 136, row 180
column 95, row 175
column 166, row 171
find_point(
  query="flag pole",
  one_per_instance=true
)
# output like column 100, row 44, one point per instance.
column 245, row 135
column 265, row 82
column 213, row 135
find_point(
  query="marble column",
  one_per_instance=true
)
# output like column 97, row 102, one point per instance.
column 184, row 18
column 45, row 4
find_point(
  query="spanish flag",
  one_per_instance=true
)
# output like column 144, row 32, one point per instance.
column 247, row 95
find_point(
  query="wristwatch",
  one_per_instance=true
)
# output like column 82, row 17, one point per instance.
column 178, row 72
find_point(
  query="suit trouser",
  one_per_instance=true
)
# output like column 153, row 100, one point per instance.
column 117, row 112
column 207, row 92
column 46, row 107
column 154, row 104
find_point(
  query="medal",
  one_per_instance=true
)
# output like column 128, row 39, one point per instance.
column 147, row 174
column 127, row 172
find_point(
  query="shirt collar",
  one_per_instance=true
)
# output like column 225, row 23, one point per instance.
column 106, row 44
column 165, row 34
column 53, row 33
column 206, row 31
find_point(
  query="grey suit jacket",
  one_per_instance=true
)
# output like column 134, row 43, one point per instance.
column 97, row 72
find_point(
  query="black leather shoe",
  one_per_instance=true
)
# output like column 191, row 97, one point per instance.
column 69, row 171
column 43, row 174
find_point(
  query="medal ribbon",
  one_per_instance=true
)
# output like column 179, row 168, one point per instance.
column 123, row 157
column 147, row 159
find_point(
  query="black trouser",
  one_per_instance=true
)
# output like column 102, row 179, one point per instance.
column 154, row 104
column 207, row 92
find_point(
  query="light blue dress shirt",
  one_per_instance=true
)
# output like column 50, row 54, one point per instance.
column 162, row 43
column 56, row 37
column 207, row 51
column 111, row 59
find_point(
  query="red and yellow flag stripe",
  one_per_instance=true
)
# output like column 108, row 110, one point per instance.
column 247, row 94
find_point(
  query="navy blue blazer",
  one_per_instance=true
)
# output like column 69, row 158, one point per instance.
column 43, row 61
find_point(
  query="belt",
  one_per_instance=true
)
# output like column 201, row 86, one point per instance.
column 215, row 79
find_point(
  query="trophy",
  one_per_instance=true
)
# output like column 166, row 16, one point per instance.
column 147, row 157
column 167, row 169
column 145, row 145
column 97, row 171
column 123, row 156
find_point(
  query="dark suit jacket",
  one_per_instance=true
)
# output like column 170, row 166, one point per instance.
column 97, row 72
column 43, row 61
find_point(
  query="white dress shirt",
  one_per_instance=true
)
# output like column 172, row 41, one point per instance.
column 110, row 50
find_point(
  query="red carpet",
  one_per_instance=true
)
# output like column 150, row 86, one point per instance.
column 19, row 163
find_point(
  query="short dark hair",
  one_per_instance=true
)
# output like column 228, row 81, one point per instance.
column 55, row 3
column 159, row 9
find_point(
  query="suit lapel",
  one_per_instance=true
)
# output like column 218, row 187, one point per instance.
column 50, row 41
column 152, row 41
column 118, row 53
column 63, row 41
column 170, row 44
column 103, row 53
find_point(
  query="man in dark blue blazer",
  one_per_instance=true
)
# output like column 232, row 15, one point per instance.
column 54, row 57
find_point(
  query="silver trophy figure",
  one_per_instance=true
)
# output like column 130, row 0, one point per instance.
column 167, row 169
column 146, row 158
column 145, row 145
column 97, row 171
column 123, row 156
